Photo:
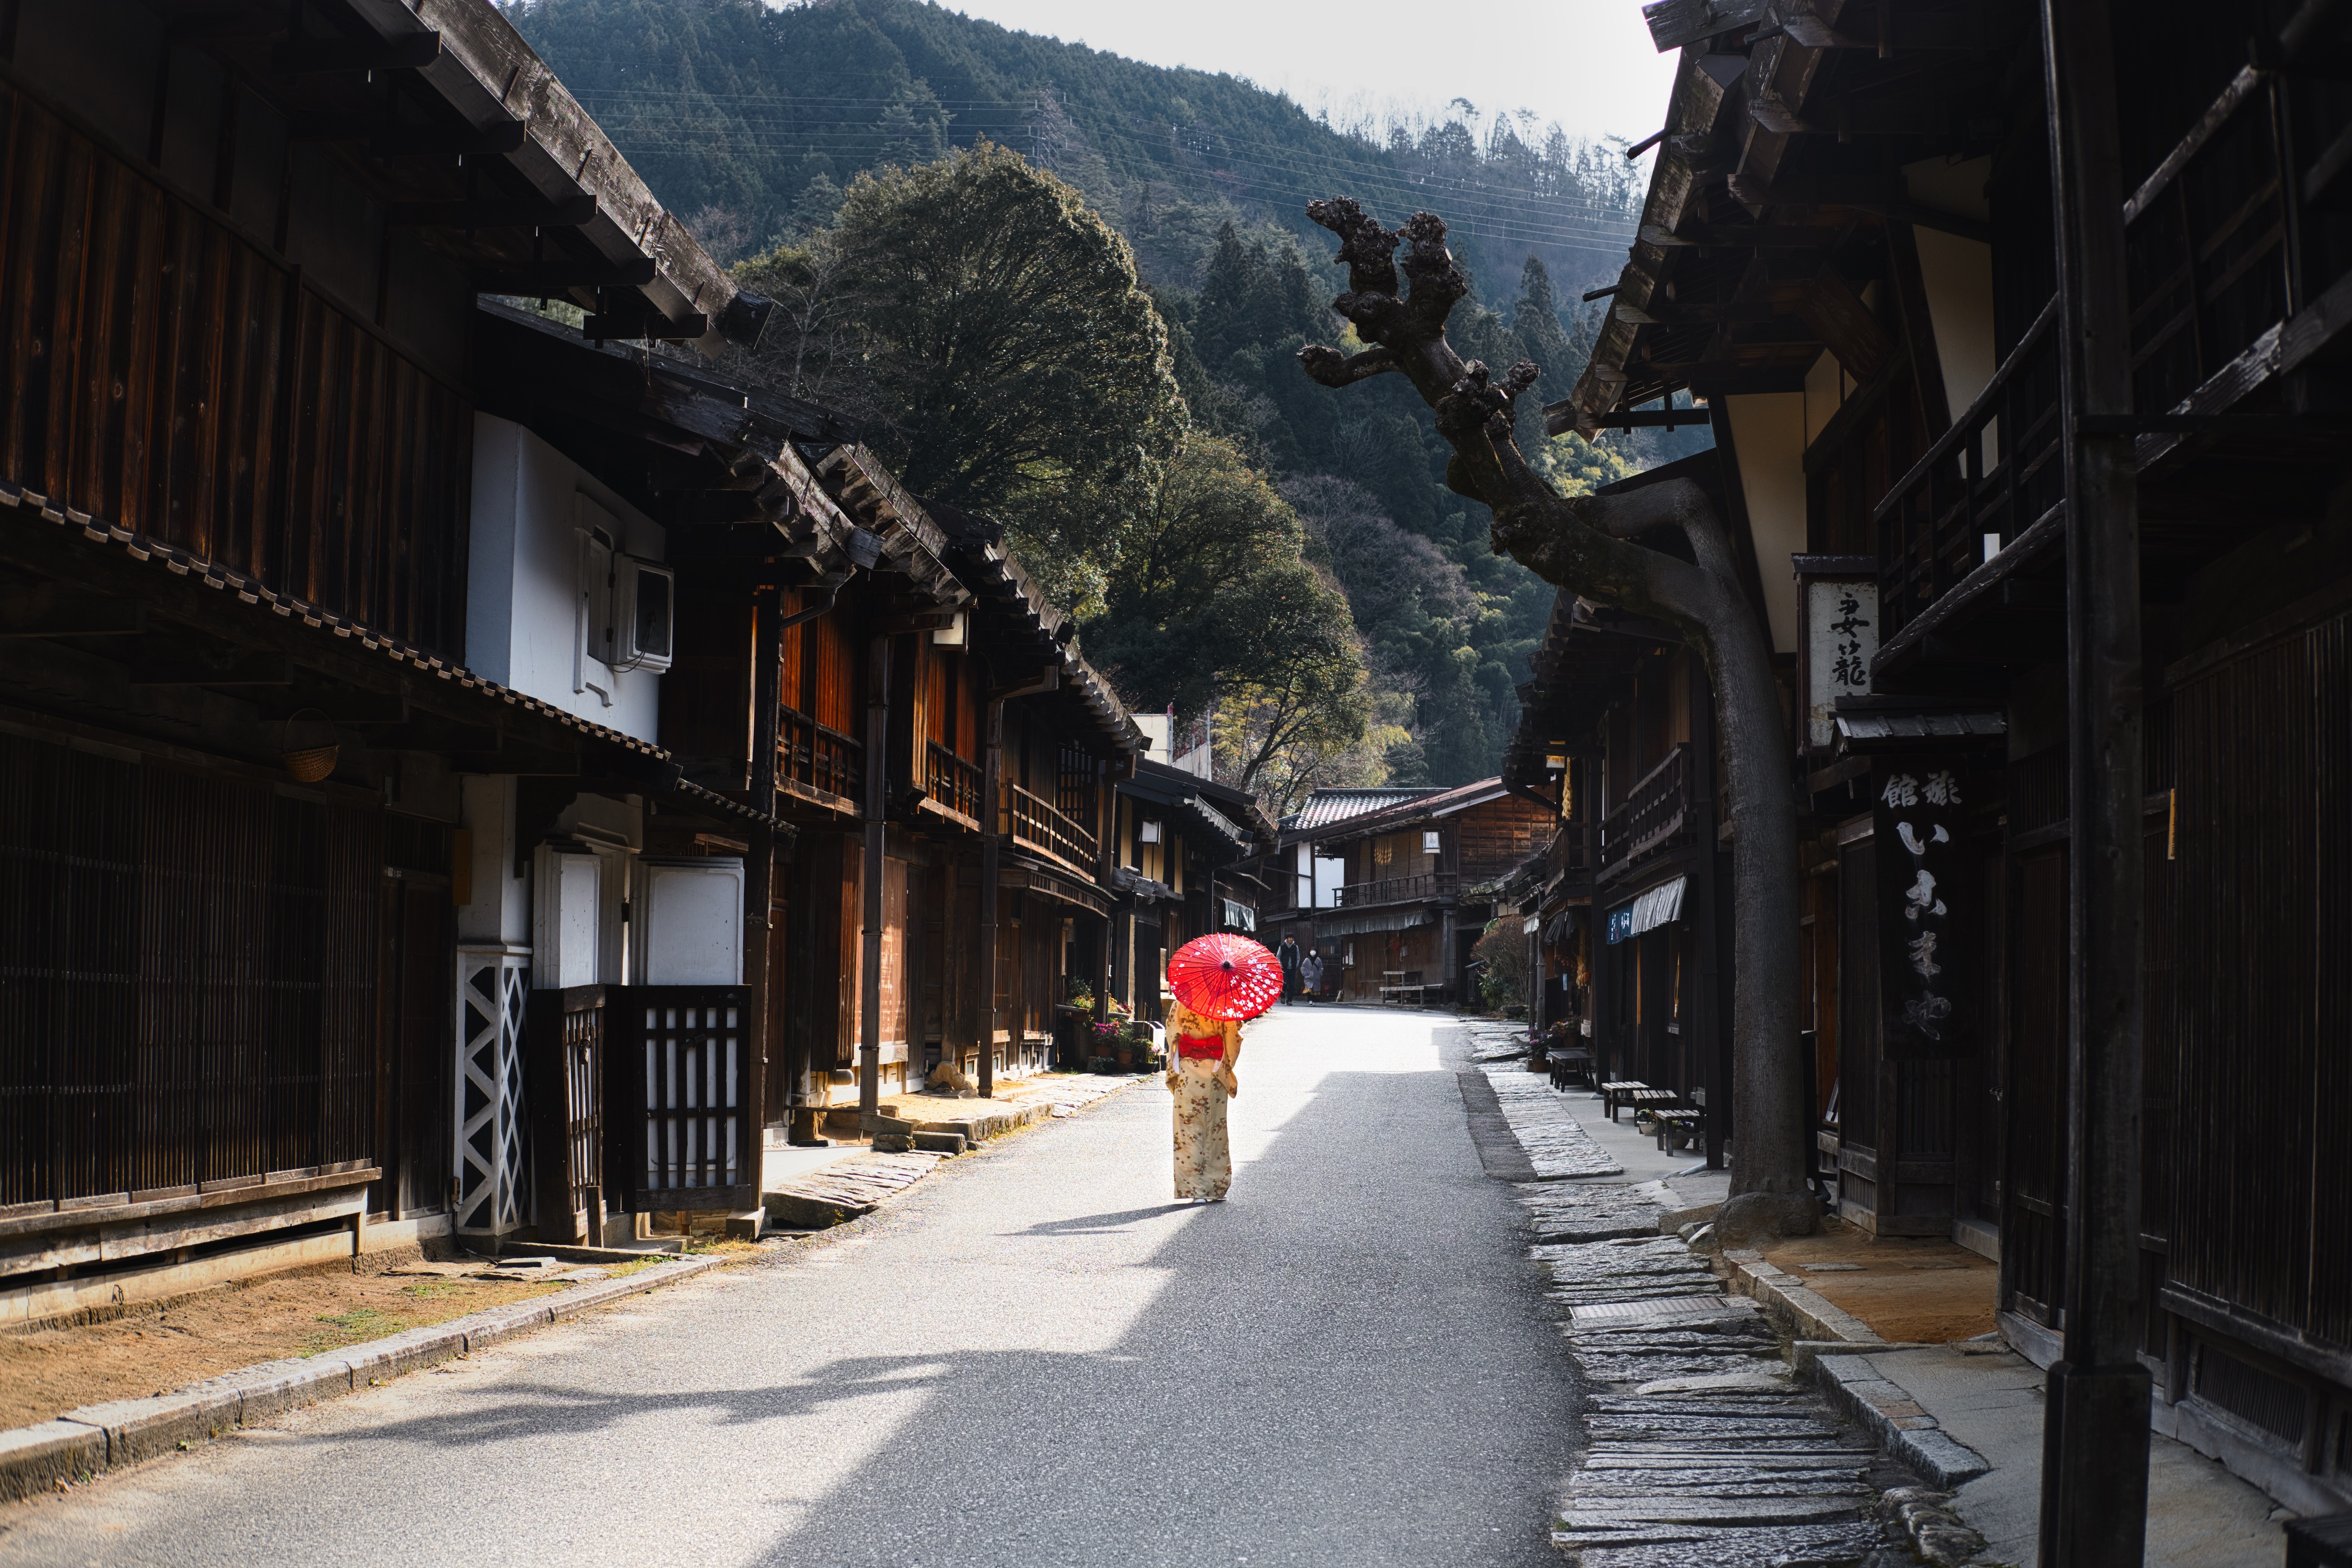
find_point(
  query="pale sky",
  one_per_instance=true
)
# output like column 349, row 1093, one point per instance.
column 1587, row 64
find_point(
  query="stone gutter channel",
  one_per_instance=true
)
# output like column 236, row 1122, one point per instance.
column 1729, row 1418
column 87, row 1442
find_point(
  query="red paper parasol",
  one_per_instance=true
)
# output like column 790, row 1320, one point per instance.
column 1225, row 976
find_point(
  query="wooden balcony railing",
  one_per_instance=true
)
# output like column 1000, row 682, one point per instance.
column 1401, row 889
column 815, row 758
column 952, row 782
column 1998, row 470
column 2208, row 238
column 1656, row 812
column 1036, row 825
column 1568, row 851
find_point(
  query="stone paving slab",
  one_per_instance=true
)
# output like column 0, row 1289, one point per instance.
column 1671, row 1310
column 1686, row 1548
column 1560, row 1212
column 840, row 1193
column 1704, row 1453
column 1555, row 1143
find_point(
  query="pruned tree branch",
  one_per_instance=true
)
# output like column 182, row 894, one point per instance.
column 1333, row 368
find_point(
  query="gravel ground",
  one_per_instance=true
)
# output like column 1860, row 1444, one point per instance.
column 1035, row 1358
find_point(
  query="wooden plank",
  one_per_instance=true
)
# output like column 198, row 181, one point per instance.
column 1837, row 316
column 1674, row 23
column 2215, row 117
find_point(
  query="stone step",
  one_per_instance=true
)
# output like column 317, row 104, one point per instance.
column 1672, row 1546
column 1746, row 1513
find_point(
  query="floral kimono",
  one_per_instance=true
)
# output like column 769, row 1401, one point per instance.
column 1200, row 1076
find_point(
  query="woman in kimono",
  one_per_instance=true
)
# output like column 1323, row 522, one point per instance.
column 1200, row 1076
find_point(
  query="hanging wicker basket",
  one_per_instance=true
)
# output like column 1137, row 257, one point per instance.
column 308, row 764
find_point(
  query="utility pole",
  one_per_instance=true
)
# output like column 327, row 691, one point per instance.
column 2094, row 1431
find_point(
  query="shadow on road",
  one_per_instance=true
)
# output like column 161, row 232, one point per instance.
column 1345, row 1366
column 1095, row 1223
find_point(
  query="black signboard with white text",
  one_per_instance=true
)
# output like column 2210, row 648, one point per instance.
column 1926, row 913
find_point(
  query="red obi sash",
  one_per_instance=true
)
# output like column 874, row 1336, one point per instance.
column 1200, row 1048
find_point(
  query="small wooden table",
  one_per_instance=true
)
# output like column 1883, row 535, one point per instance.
column 1620, row 1094
column 1569, row 1062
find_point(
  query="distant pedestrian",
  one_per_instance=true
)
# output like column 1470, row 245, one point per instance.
column 1287, row 954
column 1202, row 1078
column 1310, row 974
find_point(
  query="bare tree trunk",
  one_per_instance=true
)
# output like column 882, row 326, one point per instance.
column 1586, row 546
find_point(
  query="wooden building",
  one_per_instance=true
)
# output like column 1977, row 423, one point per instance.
column 2037, row 437
column 242, row 249
column 1183, row 865
column 1630, row 898
column 1381, row 884
column 464, row 774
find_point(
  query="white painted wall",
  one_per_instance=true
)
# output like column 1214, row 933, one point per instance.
column 524, row 618
column 498, row 908
column 1769, row 432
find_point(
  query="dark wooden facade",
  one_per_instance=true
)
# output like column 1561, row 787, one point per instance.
column 237, row 400
column 1903, row 279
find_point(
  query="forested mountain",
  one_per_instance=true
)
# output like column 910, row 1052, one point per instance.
column 753, row 121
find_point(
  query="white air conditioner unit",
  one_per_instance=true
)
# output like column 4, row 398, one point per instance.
column 645, row 618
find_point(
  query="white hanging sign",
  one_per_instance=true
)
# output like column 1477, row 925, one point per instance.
column 1841, row 642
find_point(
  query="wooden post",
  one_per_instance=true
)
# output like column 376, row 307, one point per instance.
column 1710, row 1018
column 1106, row 861
column 759, row 874
column 2095, row 1433
column 878, row 800
column 992, row 846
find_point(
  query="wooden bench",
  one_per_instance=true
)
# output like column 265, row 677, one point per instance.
column 1676, row 1129
column 1656, row 1099
column 1403, row 986
column 1617, row 1095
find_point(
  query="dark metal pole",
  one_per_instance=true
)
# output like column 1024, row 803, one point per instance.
column 2094, row 1435
column 878, row 797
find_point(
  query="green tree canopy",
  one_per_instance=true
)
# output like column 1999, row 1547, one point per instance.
column 986, row 328
column 1216, row 608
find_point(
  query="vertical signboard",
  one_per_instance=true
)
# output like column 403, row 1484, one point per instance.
column 1926, row 916
column 1841, row 641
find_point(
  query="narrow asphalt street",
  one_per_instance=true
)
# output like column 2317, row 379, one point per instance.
column 1036, row 1358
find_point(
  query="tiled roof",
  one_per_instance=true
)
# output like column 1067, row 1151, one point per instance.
column 251, row 590
column 1422, row 805
column 1326, row 806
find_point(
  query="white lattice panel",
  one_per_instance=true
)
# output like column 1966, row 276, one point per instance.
column 492, row 1169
